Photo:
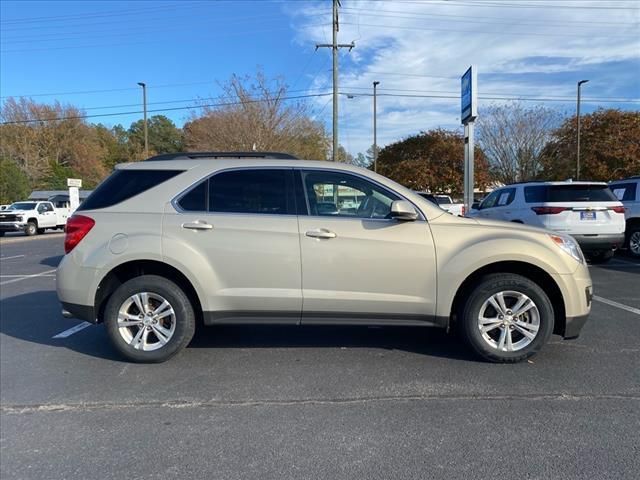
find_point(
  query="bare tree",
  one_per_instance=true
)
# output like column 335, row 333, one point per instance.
column 513, row 138
column 255, row 114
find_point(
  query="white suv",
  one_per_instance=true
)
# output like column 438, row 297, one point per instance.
column 588, row 211
column 628, row 192
column 255, row 238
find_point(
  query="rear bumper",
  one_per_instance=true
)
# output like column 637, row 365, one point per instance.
column 600, row 242
column 11, row 227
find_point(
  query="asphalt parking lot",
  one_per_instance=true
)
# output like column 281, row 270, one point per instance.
column 311, row 402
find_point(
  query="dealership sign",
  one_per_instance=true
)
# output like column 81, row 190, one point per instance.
column 469, row 95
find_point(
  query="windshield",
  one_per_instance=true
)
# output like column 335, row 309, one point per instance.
column 22, row 206
column 443, row 199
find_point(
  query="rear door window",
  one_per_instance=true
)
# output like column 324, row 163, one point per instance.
column 124, row 184
column 259, row 191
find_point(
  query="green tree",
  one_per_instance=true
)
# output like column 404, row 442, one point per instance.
column 164, row 136
column 14, row 184
column 609, row 147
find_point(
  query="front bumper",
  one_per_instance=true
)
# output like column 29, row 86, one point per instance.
column 600, row 242
column 11, row 227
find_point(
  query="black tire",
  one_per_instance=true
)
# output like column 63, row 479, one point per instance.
column 31, row 229
column 185, row 320
column 40, row 231
column 599, row 256
column 634, row 250
column 490, row 285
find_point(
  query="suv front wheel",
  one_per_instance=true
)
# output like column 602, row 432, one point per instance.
column 149, row 319
column 507, row 318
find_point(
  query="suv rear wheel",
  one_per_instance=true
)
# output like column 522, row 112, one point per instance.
column 149, row 319
column 507, row 318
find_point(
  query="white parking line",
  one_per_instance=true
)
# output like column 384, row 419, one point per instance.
column 9, row 258
column 21, row 276
column 27, row 277
column 72, row 330
column 617, row 305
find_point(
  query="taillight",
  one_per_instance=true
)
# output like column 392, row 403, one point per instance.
column 548, row 210
column 619, row 209
column 463, row 211
column 76, row 229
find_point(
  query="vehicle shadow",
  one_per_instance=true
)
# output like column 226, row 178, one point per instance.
column 51, row 261
column 35, row 317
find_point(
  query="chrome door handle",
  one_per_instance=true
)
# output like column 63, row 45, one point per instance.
column 199, row 225
column 320, row 233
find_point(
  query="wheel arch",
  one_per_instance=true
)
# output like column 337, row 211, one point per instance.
column 136, row 268
column 527, row 270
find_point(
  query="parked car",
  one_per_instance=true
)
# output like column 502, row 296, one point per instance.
column 32, row 217
column 588, row 211
column 445, row 202
column 229, row 238
column 628, row 192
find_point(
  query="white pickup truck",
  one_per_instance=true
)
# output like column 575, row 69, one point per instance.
column 32, row 217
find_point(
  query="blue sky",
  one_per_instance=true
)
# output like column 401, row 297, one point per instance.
column 417, row 49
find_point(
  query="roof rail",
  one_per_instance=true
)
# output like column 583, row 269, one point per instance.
column 212, row 155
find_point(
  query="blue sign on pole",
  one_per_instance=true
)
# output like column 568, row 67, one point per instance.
column 468, row 96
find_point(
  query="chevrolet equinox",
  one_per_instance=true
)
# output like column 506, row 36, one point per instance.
column 230, row 238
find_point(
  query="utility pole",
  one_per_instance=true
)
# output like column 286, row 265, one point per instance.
column 146, row 132
column 335, row 46
column 578, row 139
column 375, row 130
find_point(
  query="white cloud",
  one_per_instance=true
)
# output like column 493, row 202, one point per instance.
column 413, row 45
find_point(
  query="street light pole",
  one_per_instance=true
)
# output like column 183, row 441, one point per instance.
column 375, row 130
column 578, row 139
column 146, row 132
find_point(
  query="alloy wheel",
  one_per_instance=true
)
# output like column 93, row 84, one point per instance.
column 509, row 321
column 146, row 321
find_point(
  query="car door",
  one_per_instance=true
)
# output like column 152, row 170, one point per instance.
column 46, row 215
column 503, row 209
column 357, row 263
column 242, row 223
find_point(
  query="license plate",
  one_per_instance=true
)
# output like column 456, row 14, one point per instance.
column 587, row 215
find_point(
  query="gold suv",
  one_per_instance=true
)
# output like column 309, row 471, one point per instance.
column 228, row 238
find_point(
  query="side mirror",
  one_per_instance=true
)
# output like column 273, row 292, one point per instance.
column 403, row 211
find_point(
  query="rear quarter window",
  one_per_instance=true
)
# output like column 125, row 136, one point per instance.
column 123, row 185
column 625, row 192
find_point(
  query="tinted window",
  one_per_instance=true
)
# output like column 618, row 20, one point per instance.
column 569, row 193
column 624, row 191
column 195, row 200
column 46, row 207
column 340, row 194
column 491, row 200
column 506, row 197
column 252, row 191
column 124, row 184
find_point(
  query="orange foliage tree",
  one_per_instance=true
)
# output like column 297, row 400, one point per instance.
column 432, row 161
column 609, row 147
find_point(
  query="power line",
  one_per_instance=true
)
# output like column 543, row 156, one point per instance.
column 211, row 105
column 456, row 3
column 513, row 22
column 449, row 30
column 429, row 14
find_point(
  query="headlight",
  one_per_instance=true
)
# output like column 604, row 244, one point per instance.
column 569, row 245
